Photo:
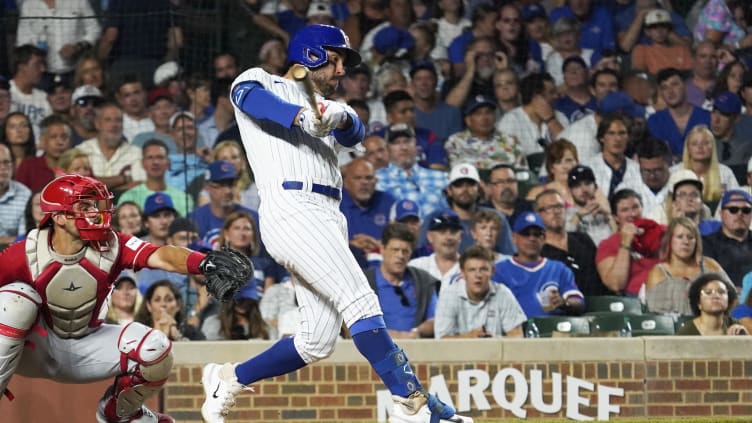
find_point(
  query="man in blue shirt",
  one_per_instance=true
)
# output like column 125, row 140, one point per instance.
column 407, row 295
column 220, row 185
column 542, row 286
column 365, row 208
column 673, row 123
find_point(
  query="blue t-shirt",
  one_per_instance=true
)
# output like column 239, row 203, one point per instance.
column 596, row 33
column 458, row 47
column 444, row 120
column 741, row 311
column 662, row 126
column 573, row 110
column 206, row 221
column 290, row 22
column 396, row 315
column 531, row 285
column 370, row 220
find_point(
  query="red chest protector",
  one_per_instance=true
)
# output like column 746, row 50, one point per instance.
column 74, row 288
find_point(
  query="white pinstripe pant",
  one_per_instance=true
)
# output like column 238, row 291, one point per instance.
column 307, row 233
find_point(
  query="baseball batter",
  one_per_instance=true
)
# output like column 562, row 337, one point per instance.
column 64, row 271
column 293, row 153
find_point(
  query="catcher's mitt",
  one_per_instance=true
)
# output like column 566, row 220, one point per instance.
column 226, row 271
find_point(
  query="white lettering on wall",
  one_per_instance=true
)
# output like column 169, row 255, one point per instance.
column 472, row 384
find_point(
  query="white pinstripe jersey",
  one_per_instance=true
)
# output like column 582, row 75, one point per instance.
column 276, row 153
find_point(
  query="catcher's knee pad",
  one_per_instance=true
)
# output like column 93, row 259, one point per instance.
column 19, row 307
column 365, row 305
column 152, row 351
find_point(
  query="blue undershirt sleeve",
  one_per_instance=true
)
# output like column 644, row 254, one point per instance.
column 259, row 103
column 349, row 137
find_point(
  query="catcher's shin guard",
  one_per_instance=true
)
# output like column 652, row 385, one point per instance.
column 152, row 351
column 19, row 307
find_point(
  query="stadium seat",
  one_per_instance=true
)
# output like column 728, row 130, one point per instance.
column 549, row 326
column 651, row 325
column 614, row 304
column 613, row 324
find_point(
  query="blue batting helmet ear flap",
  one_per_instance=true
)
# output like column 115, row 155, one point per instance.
column 308, row 46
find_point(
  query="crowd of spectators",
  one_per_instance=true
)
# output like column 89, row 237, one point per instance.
column 521, row 156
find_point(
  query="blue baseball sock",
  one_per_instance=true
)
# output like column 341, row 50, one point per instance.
column 390, row 363
column 281, row 358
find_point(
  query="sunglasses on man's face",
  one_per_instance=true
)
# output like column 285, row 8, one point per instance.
column 88, row 101
column 735, row 210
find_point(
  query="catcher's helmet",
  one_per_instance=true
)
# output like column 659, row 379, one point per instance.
column 85, row 199
column 307, row 46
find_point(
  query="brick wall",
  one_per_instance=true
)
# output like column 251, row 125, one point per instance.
column 660, row 376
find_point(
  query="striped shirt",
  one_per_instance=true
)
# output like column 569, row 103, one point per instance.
column 125, row 155
column 12, row 207
column 424, row 186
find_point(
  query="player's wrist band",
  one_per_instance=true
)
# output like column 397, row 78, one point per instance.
column 192, row 262
column 625, row 246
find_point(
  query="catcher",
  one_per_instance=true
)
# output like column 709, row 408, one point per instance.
column 53, row 291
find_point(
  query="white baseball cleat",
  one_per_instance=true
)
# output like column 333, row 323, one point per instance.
column 220, row 387
column 420, row 407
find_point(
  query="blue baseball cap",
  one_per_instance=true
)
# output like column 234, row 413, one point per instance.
column 221, row 170
column 157, row 202
column 735, row 195
column 532, row 11
column 727, row 103
column 447, row 219
column 526, row 220
column 620, row 102
column 403, row 209
column 478, row 101
column 392, row 41
column 248, row 291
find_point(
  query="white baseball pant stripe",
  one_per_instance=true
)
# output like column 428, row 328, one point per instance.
column 306, row 233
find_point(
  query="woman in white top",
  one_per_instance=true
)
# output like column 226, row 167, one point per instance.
column 449, row 18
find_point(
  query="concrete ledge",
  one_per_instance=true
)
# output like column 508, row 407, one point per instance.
column 501, row 350
column 696, row 347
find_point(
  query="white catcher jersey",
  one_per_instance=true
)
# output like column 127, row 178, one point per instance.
column 276, row 153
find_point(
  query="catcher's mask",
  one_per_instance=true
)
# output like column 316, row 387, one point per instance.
column 84, row 199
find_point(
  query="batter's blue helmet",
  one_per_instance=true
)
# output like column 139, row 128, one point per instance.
column 307, row 46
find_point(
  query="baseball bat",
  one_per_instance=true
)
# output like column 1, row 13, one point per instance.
column 300, row 74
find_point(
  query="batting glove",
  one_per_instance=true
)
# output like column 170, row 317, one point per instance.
column 311, row 124
column 333, row 114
